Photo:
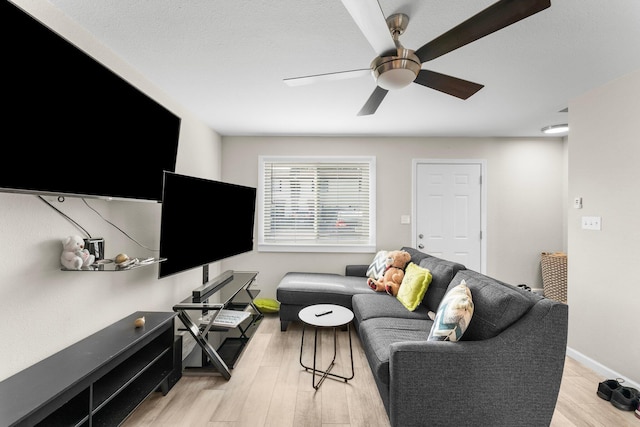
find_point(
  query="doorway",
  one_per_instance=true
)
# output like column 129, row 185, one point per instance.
column 449, row 210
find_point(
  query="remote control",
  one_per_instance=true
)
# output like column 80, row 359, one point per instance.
column 325, row 313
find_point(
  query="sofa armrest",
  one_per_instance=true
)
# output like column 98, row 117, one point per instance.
column 358, row 270
column 511, row 379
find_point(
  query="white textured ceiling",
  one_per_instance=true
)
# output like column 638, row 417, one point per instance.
column 225, row 61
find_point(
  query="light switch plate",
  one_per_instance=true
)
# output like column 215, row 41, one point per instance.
column 591, row 223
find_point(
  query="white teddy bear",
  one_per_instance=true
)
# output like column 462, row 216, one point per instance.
column 74, row 255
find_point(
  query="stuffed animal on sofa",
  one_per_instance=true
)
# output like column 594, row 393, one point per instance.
column 74, row 255
column 394, row 273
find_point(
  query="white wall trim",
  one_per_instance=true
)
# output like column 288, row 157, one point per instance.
column 599, row 368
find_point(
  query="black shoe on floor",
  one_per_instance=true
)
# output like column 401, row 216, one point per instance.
column 606, row 388
column 625, row 398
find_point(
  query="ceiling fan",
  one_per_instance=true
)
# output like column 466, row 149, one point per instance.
column 396, row 67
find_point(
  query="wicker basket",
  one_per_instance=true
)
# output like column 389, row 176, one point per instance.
column 554, row 275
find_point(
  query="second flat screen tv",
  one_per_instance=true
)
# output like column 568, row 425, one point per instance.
column 203, row 221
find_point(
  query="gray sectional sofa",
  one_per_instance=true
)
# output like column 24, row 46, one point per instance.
column 505, row 371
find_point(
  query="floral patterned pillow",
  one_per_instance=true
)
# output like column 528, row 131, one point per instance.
column 454, row 314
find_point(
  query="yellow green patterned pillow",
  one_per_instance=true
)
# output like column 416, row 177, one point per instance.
column 414, row 285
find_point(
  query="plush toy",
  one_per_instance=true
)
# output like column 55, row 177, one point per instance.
column 394, row 273
column 74, row 255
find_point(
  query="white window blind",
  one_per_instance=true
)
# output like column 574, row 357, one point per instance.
column 317, row 204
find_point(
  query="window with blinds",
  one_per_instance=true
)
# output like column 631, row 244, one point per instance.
column 317, row 204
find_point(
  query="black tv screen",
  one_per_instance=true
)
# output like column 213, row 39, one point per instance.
column 203, row 221
column 71, row 126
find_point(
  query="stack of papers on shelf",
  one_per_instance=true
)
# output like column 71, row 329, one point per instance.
column 228, row 318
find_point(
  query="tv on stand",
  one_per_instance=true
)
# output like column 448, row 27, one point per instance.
column 203, row 221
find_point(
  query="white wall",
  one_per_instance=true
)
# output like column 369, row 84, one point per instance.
column 604, row 287
column 525, row 191
column 44, row 309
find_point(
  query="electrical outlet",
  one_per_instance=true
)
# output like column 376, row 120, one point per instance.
column 577, row 203
column 591, row 223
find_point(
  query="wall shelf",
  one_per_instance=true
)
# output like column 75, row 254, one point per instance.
column 109, row 265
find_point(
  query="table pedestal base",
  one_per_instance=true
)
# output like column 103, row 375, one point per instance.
column 327, row 372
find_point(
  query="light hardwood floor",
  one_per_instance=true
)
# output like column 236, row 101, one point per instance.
column 269, row 388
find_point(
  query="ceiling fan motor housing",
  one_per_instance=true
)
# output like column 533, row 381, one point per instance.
column 398, row 71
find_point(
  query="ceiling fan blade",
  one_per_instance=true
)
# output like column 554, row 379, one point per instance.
column 373, row 102
column 368, row 16
column 340, row 75
column 496, row 17
column 459, row 88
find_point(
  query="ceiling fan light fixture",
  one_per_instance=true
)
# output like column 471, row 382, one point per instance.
column 396, row 78
column 396, row 72
column 555, row 129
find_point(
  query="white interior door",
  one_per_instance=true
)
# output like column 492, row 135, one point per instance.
column 448, row 211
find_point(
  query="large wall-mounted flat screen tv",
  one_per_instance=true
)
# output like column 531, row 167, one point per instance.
column 203, row 221
column 70, row 125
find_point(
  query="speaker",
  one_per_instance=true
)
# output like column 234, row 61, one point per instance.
column 95, row 246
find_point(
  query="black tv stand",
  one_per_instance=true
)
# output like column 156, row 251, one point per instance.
column 99, row 380
column 210, row 286
column 233, row 338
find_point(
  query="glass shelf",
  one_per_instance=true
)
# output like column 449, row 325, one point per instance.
column 109, row 265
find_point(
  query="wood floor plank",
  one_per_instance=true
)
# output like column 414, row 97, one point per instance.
column 268, row 387
column 242, row 380
column 201, row 409
column 308, row 409
column 283, row 400
column 258, row 399
column 335, row 408
column 365, row 406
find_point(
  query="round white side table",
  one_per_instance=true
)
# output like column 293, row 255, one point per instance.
column 325, row 316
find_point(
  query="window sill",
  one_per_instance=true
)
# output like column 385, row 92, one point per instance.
column 317, row 248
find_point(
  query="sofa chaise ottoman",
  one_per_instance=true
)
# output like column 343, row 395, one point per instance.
column 297, row 290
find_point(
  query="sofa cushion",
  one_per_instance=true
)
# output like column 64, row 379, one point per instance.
column 378, row 265
column 378, row 334
column 454, row 314
column 416, row 255
column 359, row 270
column 381, row 304
column 497, row 305
column 414, row 284
column 442, row 272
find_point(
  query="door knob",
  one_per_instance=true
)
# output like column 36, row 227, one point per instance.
column 420, row 246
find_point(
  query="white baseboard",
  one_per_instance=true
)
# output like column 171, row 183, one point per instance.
column 600, row 368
